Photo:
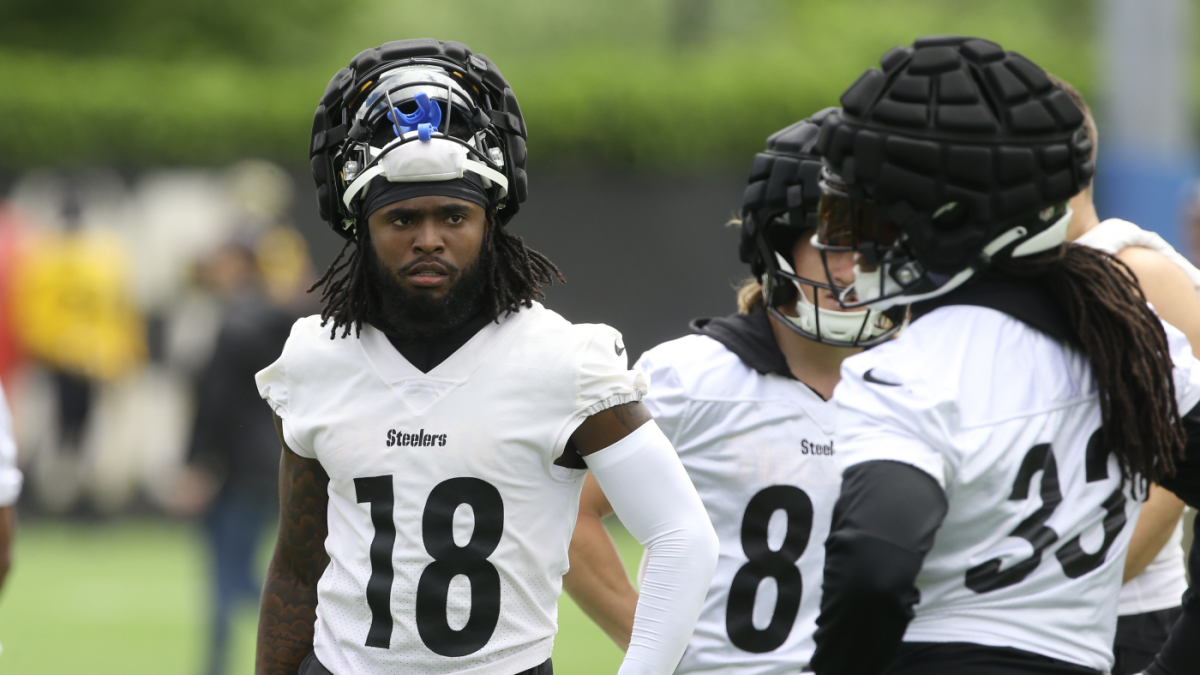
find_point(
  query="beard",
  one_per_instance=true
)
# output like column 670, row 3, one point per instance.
column 407, row 315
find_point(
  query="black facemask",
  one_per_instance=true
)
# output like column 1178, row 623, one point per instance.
column 406, row 315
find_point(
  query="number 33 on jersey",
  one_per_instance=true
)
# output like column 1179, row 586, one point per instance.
column 449, row 522
column 1031, row 552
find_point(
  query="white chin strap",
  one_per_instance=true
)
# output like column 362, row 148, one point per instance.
column 847, row 326
column 871, row 285
column 418, row 161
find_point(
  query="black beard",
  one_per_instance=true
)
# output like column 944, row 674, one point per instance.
column 406, row 315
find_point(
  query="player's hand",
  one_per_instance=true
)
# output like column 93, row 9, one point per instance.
column 192, row 491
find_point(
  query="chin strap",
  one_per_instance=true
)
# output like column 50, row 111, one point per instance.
column 1042, row 241
column 1046, row 239
column 360, row 183
column 423, row 161
column 850, row 327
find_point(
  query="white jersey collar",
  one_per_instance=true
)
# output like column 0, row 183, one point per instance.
column 392, row 367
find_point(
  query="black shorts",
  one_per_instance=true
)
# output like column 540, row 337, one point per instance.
column 1139, row 637
column 311, row 666
column 965, row 658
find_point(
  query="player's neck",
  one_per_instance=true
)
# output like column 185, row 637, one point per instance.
column 1083, row 215
column 817, row 365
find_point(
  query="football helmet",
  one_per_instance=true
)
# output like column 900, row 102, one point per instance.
column 779, row 206
column 416, row 111
column 955, row 154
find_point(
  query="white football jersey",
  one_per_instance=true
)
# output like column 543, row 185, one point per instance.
column 448, row 521
column 10, row 476
column 760, row 451
column 1032, row 549
column 1162, row 583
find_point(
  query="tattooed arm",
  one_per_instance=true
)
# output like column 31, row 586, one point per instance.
column 607, row 427
column 289, row 600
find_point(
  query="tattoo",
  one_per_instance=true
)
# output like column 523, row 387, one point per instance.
column 289, row 600
column 605, row 428
column 631, row 415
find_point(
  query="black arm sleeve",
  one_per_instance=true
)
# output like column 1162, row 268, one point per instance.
column 883, row 525
column 1181, row 654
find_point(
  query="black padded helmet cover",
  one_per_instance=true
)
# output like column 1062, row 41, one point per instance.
column 955, row 119
column 783, row 190
column 779, row 206
column 332, row 129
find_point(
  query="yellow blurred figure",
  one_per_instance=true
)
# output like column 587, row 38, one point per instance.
column 72, row 306
column 282, row 256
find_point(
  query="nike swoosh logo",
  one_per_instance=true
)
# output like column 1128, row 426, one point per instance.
column 875, row 380
column 619, row 347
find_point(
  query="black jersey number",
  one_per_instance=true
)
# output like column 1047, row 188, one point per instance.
column 763, row 563
column 987, row 576
column 1075, row 561
column 449, row 560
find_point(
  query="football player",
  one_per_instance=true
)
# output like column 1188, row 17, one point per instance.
column 1154, row 569
column 437, row 420
column 11, row 479
column 996, row 453
column 745, row 402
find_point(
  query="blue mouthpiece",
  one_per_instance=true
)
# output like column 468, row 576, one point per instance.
column 426, row 119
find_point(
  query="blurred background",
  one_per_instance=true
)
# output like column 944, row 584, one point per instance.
column 158, row 230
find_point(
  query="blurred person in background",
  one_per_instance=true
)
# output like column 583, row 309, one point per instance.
column 74, row 312
column 1155, row 575
column 186, row 222
column 11, row 477
column 745, row 403
column 433, row 380
column 11, row 230
column 232, row 465
column 142, row 239
column 10, row 487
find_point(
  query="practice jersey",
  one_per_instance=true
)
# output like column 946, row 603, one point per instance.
column 449, row 522
column 10, row 476
column 759, row 449
column 1032, row 549
column 1162, row 583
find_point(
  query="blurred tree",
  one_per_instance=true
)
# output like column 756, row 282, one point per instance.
column 142, row 81
column 692, row 22
column 262, row 31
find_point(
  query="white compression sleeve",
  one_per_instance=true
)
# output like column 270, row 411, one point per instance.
column 652, row 495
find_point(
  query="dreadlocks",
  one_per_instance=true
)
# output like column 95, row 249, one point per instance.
column 518, row 273
column 515, row 280
column 1127, row 347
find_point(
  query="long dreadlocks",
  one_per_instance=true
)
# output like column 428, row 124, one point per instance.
column 1127, row 347
column 514, row 280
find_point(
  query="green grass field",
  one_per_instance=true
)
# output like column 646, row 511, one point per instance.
column 129, row 598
